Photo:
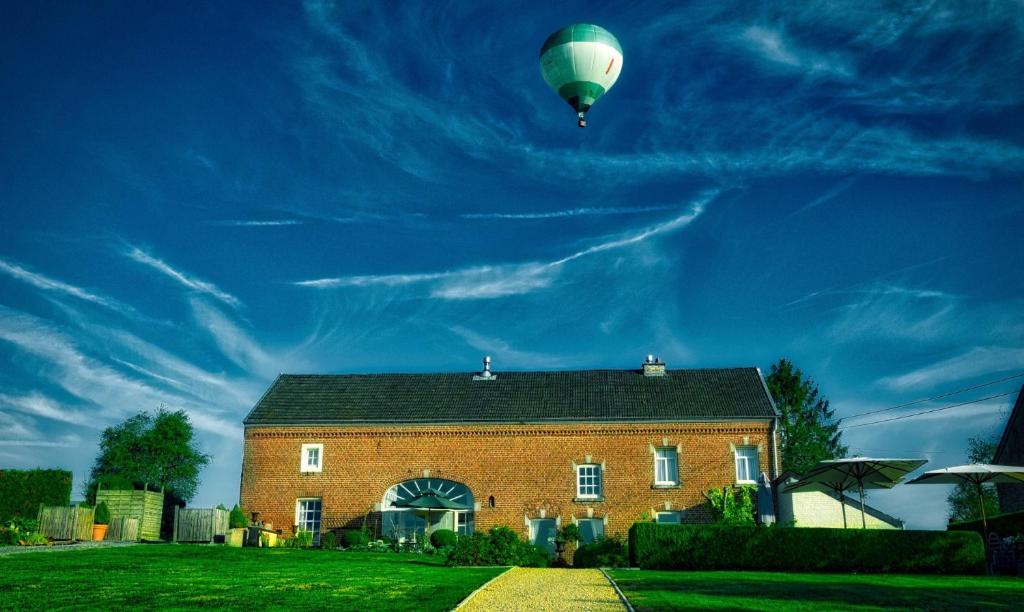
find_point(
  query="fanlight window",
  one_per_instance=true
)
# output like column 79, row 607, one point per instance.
column 411, row 510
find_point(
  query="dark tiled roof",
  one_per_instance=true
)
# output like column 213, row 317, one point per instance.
column 514, row 397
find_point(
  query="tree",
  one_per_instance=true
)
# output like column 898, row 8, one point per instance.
column 158, row 449
column 963, row 500
column 808, row 427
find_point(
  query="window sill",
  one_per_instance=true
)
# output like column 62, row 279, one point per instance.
column 587, row 500
column 309, row 472
column 745, row 483
column 667, row 486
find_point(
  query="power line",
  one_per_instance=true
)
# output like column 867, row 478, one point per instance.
column 907, row 416
column 929, row 399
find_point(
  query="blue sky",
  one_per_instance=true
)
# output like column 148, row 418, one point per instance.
column 194, row 199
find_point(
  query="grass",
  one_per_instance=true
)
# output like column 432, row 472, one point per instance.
column 178, row 576
column 668, row 590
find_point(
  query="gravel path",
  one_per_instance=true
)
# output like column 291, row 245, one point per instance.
column 525, row 588
column 17, row 550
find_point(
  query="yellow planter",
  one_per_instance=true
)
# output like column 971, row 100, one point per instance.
column 236, row 537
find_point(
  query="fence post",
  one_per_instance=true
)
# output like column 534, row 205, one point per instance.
column 175, row 537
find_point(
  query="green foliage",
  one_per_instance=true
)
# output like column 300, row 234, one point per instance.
column 1006, row 525
column 602, row 552
column 302, row 539
column 963, row 499
column 21, row 491
column 500, row 546
column 328, row 540
column 355, row 537
column 732, row 506
column 807, row 425
column 237, row 518
column 158, row 449
column 101, row 516
column 442, row 538
column 18, row 529
column 718, row 547
column 569, row 533
column 221, row 507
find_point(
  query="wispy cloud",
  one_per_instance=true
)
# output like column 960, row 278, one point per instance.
column 190, row 282
column 486, row 282
column 234, row 343
column 979, row 361
column 772, row 45
column 837, row 190
column 257, row 223
column 40, row 405
column 49, row 284
column 572, row 212
column 90, row 379
column 504, row 354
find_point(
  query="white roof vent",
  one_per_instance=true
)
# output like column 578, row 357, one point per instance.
column 486, row 374
column 653, row 366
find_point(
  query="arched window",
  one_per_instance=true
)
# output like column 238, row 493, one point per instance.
column 412, row 509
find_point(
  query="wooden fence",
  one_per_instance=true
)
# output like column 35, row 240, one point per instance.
column 65, row 522
column 123, row 529
column 146, row 506
column 199, row 524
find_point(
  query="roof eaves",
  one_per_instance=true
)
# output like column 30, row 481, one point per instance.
column 768, row 394
column 342, row 422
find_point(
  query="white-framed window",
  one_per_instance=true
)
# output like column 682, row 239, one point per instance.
column 590, row 529
column 746, row 464
column 588, row 481
column 464, row 523
column 666, row 466
column 307, row 516
column 311, row 458
column 669, row 517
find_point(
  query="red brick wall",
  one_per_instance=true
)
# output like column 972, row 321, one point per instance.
column 526, row 468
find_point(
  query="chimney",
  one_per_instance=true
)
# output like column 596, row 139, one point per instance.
column 653, row 366
column 486, row 374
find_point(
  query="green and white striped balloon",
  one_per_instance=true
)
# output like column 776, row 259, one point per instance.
column 581, row 62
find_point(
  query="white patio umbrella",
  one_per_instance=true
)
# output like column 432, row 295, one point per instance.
column 841, row 475
column 976, row 474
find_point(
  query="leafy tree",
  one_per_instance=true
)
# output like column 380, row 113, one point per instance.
column 731, row 507
column 158, row 449
column 808, row 427
column 963, row 500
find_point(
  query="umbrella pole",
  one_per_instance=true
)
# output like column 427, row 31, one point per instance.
column 860, row 486
column 984, row 520
column 842, row 505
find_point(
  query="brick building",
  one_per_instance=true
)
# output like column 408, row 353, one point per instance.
column 1011, row 452
column 406, row 453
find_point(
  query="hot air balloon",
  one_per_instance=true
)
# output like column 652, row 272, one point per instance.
column 581, row 62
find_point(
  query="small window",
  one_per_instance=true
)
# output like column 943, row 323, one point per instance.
column 666, row 467
column 746, row 464
column 307, row 517
column 669, row 517
column 588, row 481
column 312, row 458
column 590, row 530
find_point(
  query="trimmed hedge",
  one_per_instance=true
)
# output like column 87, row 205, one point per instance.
column 719, row 547
column 355, row 537
column 1009, row 524
column 602, row 552
column 21, row 491
column 441, row 538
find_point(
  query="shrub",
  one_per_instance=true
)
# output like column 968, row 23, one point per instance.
column 443, row 538
column 21, row 491
column 355, row 537
column 731, row 507
column 101, row 516
column 302, row 539
column 500, row 546
column 1006, row 525
column 602, row 552
column 328, row 540
column 237, row 518
column 719, row 547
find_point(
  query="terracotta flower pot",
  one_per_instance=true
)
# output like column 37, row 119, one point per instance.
column 99, row 532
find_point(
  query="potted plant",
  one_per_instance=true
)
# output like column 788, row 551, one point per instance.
column 567, row 534
column 238, row 527
column 100, row 521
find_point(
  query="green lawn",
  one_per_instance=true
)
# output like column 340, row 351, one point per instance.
column 170, row 576
column 666, row 590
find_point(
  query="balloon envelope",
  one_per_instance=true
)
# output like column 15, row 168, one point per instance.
column 580, row 63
